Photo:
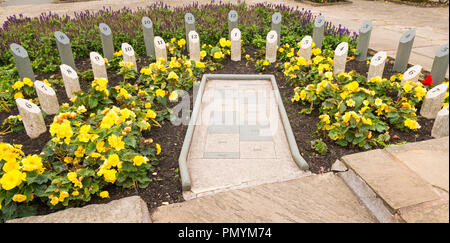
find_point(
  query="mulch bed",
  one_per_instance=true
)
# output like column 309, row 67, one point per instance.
column 166, row 185
column 324, row 4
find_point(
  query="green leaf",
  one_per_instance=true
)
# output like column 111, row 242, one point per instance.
column 131, row 141
column 90, row 148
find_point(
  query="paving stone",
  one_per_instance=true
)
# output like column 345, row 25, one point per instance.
column 221, row 155
column 254, row 133
column 428, row 213
column 126, row 210
column 223, row 129
column 429, row 159
column 222, row 143
column 317, row 198
column 396, row 184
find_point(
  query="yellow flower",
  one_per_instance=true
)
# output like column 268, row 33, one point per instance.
column 173, row 75
column 75, row 193
column 19, row 198
column 378, row 102
column 72, row 176
column 150, row 114
column 317, row 59
column 363, row 110
column 123, row 93
column 266, row 63
column 316, row 51
column 18, row 85
column 366, row 102
column 218, row 55
column 173, row 95
column 104, row 194
column 54, row 201
column 139, row 160
column 18, row 95
column 81, row 109
column 80, row 152
column 110, row 175
column 325, row 118
column 202, row 54
column 12, row 179
column 113, row 160
column 118, row 54
column 32, row 163
column 109, row 120
column 28, row 82
column 412, row 124
column 160, row 92
column 200, row 65
column 116, row 142
column 407, row 87
column 10, row 166
column 420, row 92
column 100, row 147
column 350, row 103
column 181, row 42
column 148, row 105
column 223, row 42
column 158, row 149
column 281, row 49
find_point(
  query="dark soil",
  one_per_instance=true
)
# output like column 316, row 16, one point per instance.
column 165, row 185
column 421, row 3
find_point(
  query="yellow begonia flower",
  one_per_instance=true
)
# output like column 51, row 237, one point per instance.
column 161, row 93
column 12, row 179
column 158, row 149
column 19, row 198
column 104, row 194
column 411, row 124
column 173, row 95
column 116, row 142
column 139, row 160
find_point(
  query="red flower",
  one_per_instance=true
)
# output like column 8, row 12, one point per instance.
column 428, row 80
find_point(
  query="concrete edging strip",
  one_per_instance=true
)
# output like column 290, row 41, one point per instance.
column 182, row 160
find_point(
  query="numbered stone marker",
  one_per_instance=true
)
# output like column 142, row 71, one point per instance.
column 47, row 98
column 377, row 63
column 412, row 74
column 64, row 48
column 194, row 46
column 160, row 48
column 305, row 47
column 432, row 102
column 98, row 66
column 404, row 50
column 235, row 45
column 340, row 58
column 189, row 25
column 22, row 61
column 319, row 28
column 70, row 78
column 147, row 26
column 233, row 21
column 271, row 46
column 32, row 118
column 440, row 64
column 363, row 40
column 276, row 25
column 107, row 41
column 440, row 126
column 128, row 55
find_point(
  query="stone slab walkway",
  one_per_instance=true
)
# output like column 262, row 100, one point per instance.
column 317, row 198
column 239, row 139
column 390, row 20
column 411, row 179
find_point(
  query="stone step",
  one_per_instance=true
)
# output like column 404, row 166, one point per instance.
column 316, row 198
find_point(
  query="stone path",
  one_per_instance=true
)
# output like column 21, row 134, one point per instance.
column 239, row 139
column 411, row 179
column 390, row 20
column 317, row 198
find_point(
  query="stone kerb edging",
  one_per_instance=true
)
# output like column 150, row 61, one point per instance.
column 182, row 160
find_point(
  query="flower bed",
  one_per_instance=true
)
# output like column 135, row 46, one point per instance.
column 115, row 138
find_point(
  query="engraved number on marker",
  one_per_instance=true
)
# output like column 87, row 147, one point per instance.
column 18, row 50
column 28, row 105
column 444, row 49
column 147, row 21
column 194, row 36
column 68, row 71
column 408, row 35
column 271, row 37
column 233, row 15
column 97, row 58
column 411, row 72
column 127, row 49
column 43, row 86
column 160, row 42
column 61, row 37
column 378, row 58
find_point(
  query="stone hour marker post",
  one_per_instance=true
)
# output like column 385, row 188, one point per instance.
column 107, row 41
column 440, row 126
column 47, row 98
column 147, row 26
column 440, row 64
column 64, row 48
column 235, row 45
column 128, row 55
column 189, row 25
column 319, row 29
column 305, row 47
column 232, row 21
column 340, row 58
column 432, row 102
column 32, row 118
column 363, row 40
column 377, row 63
column 70, row 78
column 271, row 46
column 98, row 66
column 404, row 50
column 160, row 48
column 22, row 61
column 412, row 74
column 276, row 25
column 194, row 46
